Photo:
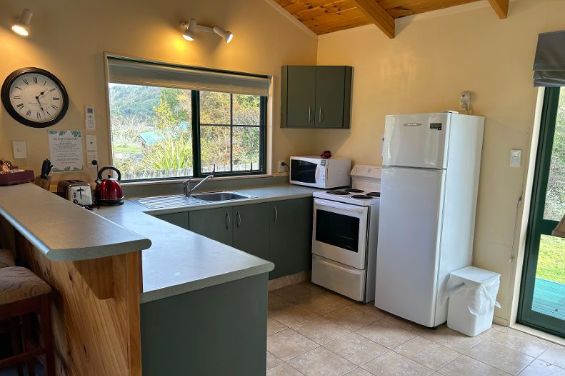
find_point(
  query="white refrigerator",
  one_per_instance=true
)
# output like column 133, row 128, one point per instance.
column 430, row 177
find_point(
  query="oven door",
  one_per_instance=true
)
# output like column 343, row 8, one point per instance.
column 340, row 232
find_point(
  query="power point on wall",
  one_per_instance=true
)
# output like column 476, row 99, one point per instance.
column 282, row 166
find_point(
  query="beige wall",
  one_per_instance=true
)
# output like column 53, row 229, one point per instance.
column 424, row 69
column 69, row 38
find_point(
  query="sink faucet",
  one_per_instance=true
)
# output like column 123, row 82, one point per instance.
column 188, row 190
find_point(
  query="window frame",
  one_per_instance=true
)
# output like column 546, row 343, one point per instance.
column 196, row 144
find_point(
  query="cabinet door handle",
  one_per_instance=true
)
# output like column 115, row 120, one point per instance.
column 276, row 214
column 238, row 223
column 320, row 115
column 309, row 114
column 227, row 221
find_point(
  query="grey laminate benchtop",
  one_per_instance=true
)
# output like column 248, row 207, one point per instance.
column 63, row 230
column 180, row 260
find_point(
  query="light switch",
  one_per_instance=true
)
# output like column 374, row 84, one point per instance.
column 20, row 149
column 515, row 158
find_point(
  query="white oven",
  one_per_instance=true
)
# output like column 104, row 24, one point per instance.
column 340, row 232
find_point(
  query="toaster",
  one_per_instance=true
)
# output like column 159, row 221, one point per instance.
column 77, row 191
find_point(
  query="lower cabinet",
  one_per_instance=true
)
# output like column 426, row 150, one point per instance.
column 215, row 224
column 279, row 231
column 290, row 237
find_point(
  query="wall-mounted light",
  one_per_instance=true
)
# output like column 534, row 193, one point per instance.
column 21, row 27
column 190, row 28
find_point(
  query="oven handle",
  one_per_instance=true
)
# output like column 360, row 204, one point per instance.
column 321, row 204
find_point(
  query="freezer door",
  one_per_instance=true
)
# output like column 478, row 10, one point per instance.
column 416, row 140
column 407, row 252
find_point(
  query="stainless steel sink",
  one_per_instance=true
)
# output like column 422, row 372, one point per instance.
column 179, row 201
column 219, row 196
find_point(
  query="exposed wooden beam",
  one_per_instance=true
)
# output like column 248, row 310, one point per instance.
column 500, row 7
column 378, row 15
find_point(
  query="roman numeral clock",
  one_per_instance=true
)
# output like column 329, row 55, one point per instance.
column 35, row 97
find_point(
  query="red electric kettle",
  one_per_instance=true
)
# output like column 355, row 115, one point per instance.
column 108, row 191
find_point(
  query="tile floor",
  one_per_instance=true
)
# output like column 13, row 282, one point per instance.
column 314, row 332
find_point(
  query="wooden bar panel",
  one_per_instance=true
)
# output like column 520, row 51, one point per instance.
column 93, row 336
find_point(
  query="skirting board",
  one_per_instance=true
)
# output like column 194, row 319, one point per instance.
column 288, row 280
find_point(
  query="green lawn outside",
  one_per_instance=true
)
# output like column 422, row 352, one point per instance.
column 551, row 259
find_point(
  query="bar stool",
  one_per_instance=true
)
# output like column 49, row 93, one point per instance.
column 22, row 294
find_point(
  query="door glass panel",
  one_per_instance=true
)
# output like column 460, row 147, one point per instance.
column 339, row 230
column 555, row 196
column 302, row 171
column 549, row 290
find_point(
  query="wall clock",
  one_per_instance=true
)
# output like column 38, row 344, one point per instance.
column 35, row 97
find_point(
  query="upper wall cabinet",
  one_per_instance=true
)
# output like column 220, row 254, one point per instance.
column 316, row 96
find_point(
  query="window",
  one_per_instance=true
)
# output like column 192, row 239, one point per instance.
column 177, row 123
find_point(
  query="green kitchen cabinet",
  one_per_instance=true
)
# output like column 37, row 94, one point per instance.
column 177, row 219
column 251, row 229
column 299, row 96
column 316, row 96
column 290, row 237
column 215, row 224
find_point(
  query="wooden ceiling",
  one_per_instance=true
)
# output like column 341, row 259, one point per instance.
column 326, row 16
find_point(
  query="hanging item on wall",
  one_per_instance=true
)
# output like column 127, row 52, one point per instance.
column 35, row 97
column 65, row 150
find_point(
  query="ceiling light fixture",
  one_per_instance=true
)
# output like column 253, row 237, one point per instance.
column 190, row 28
column 21, row 27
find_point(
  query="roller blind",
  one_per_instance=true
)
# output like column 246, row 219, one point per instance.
column 549, row 65
column 125, row 71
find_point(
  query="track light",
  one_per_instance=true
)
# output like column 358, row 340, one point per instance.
column 22, row 26
column 190, row 28
column 227, row 35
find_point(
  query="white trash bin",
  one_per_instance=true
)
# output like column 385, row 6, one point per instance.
column 472, row 298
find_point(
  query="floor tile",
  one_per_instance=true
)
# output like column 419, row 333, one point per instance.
column 370, row 309
column 357, row 349
column 450, row 338
column 541, row 368
column 321, row 330
column 466, row 366
column 500, row 356
column 300, row 292
column 322, row 304
column 352, row 317
column 292, row 315
column 394, row 364
column 275, row 302
column 359, row 372
column 554, row 355
column 427, row 353
column 273, row 361
column 322, row 362
column 287, row 344
column 387, row 333
column 274, row 326
column 519, row 341
column 283, row 370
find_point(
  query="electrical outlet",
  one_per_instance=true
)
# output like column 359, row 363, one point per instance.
column 515, row 158
column 282, row 166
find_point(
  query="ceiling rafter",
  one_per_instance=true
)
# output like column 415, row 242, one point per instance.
column 378, row 15
column 500, row 7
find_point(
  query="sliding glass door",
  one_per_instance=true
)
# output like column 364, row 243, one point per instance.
column 542, row 298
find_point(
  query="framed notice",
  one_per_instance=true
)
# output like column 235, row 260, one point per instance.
column 65, row 150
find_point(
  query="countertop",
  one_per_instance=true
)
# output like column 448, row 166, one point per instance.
column 62, row 230
column 174, row 260
column 180, row 260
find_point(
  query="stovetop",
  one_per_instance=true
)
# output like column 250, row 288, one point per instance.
column 351, row 196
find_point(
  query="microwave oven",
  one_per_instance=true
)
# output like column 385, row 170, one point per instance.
column 318, row 172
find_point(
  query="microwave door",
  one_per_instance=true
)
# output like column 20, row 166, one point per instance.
column 303, row 172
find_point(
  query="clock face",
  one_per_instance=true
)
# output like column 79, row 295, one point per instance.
column 35, row 97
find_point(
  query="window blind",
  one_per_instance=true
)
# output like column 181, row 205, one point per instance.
column 549, row 64
column 126, row 71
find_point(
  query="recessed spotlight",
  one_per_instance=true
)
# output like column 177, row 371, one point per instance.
column 22, row 26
